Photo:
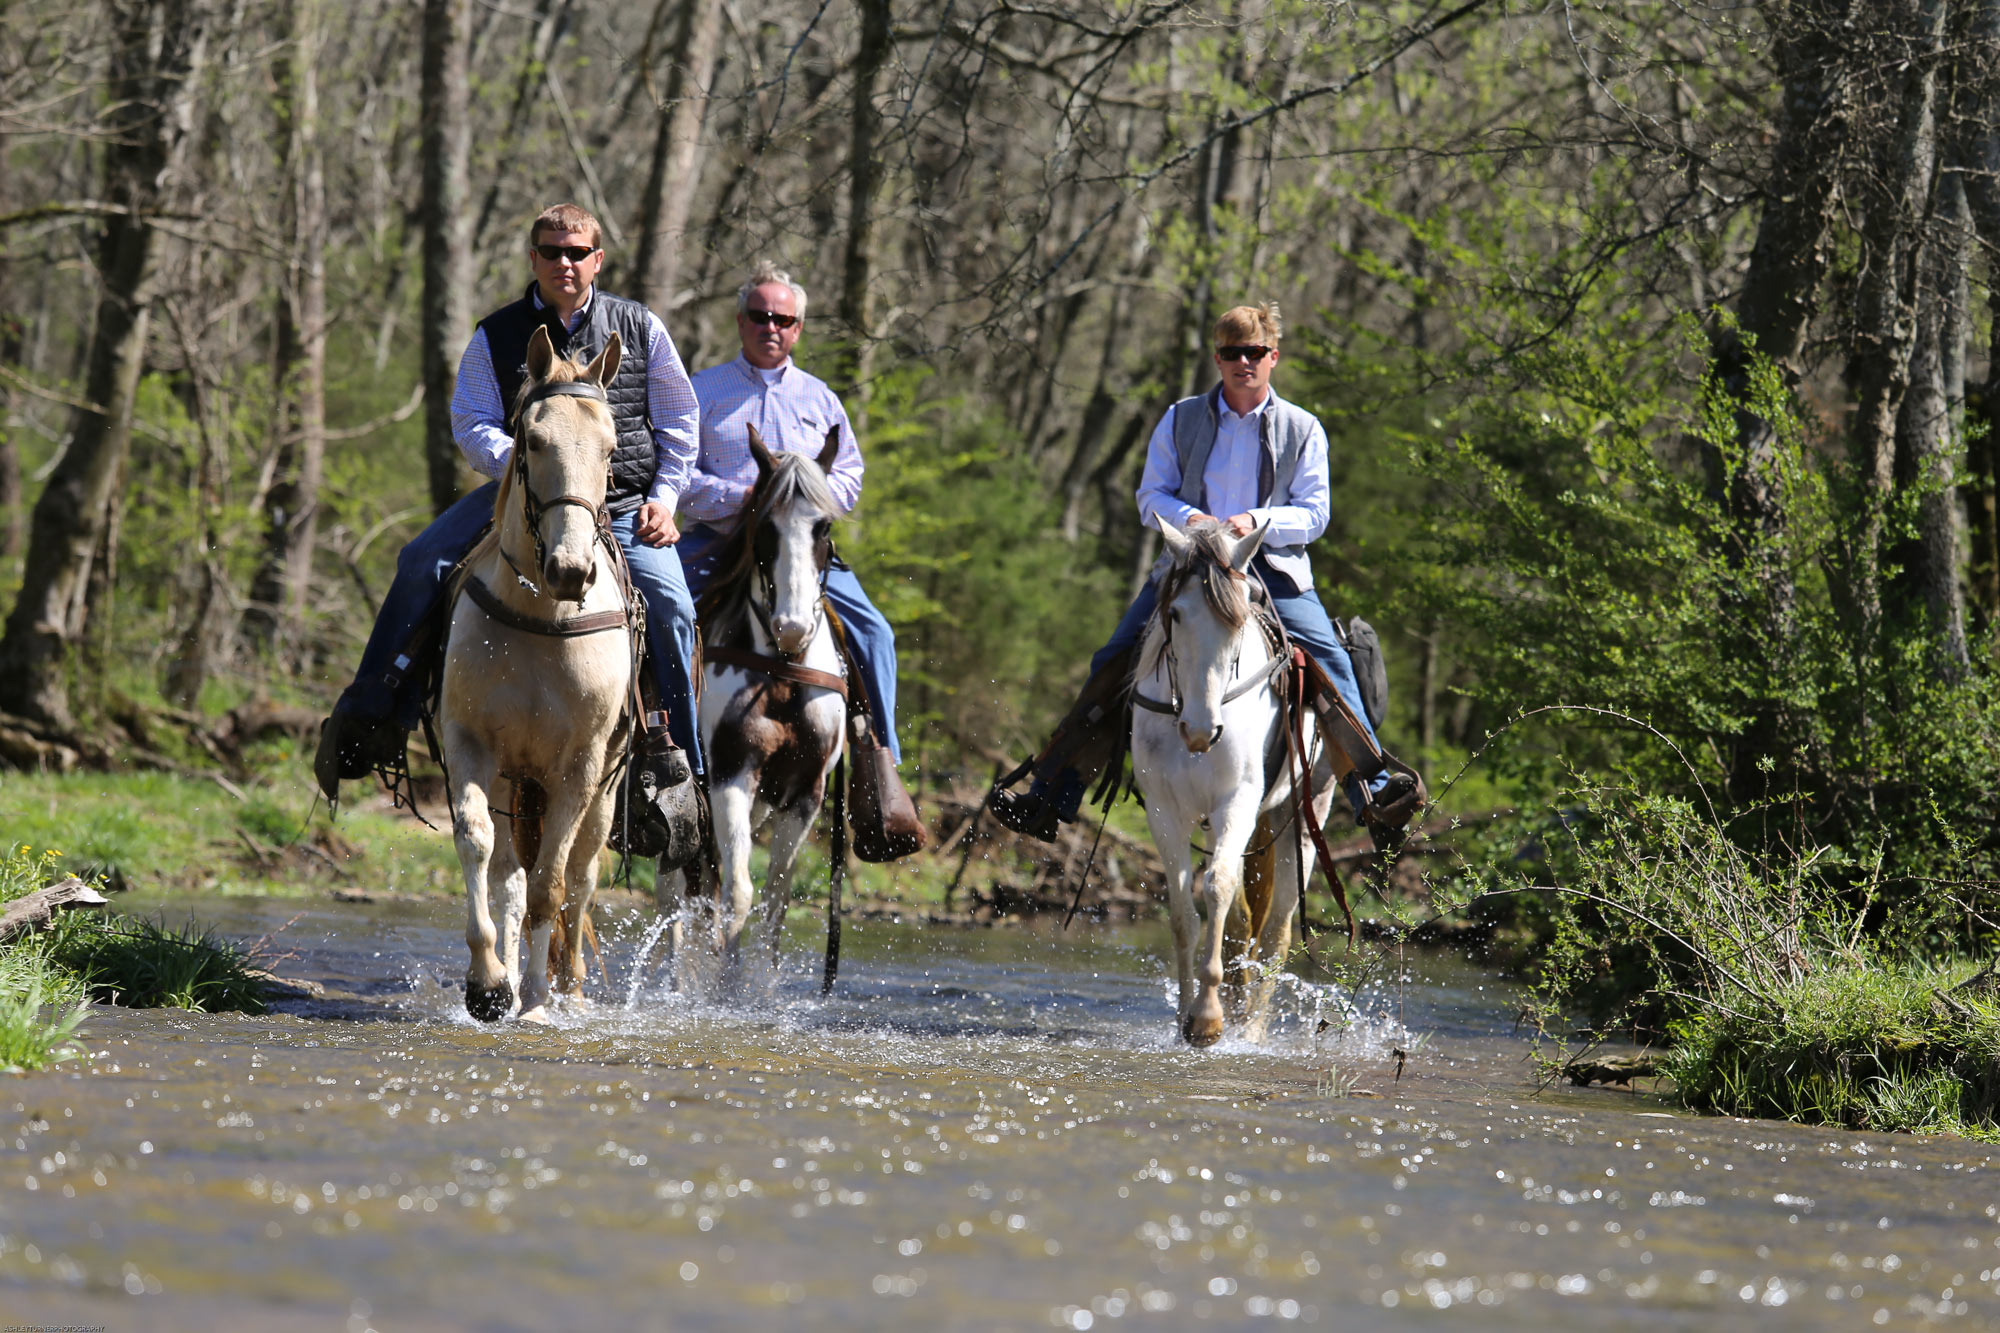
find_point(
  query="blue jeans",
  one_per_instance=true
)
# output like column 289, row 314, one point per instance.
column 419, row 583
column 1303, row 618
column 873, row 641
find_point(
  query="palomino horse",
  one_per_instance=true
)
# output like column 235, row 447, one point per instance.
column 535, row 680
column 1208, row 748
column 774, row 700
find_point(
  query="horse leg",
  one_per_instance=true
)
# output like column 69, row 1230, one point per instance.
column 733, row 805
column 1274, row 930
column 1239, row 939
column 788, row 834
column 512, row 879
column 488, row 994
column 1171, row 837
column 1224, row 880
column 532, row 811
column 580, row 878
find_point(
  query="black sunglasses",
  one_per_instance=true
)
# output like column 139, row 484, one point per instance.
column 575, row 254
column 770, row 318
column 1250, row 352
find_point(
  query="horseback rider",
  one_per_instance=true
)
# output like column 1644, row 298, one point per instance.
column 653, row 407
column 790, row 409
column 1242, row 451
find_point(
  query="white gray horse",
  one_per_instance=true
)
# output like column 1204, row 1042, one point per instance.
column 1208, row 750
column 537, row 672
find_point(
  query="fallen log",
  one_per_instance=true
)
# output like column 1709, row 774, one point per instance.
column 1620, row 1069
column 35, row 911
column 22, row 749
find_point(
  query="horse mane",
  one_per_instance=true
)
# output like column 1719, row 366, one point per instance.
column 724, row 605
column 1226, row 591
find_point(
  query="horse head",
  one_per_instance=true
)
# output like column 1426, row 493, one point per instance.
column 563, row 440
column 1204, row 611
column 792, row 512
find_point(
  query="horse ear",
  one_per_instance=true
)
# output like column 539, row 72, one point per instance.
column 605, row 368
column 830, row 450
column 541, row 354
column 1177, row 541
column 1248, row 546
column 762, row 453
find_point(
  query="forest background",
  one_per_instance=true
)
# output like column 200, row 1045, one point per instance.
column 1653, row 339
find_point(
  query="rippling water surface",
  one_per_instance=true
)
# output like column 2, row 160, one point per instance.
column 981, row 1129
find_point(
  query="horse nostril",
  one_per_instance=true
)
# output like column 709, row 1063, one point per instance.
column 1215, row 735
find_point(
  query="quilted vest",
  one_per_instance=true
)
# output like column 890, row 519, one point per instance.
column 507, row 332
column 1284, row 430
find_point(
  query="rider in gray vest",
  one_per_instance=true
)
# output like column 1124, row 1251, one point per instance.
column 653, row 407
column 1239, row 455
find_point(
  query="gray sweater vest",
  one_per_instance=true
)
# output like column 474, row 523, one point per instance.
column 1284, row 430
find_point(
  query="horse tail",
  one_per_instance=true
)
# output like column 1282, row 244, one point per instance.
column 530, row 804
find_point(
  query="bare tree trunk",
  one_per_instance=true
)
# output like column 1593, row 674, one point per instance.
column 676, row 168
column 1927, row 434
column 1790, row 256
column 13, row 349
column 1894, row 247
column 1979, row 155
column 207, row 633
column 447, row 256
column 857, row 309
column 278, row 595
column 1787, row 264
column 158, row 52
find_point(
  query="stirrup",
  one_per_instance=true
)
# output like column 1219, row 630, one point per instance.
column 1396, row 804
column 1025, row 813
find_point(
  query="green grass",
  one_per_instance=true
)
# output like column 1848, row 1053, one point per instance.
column 165, row 832
column 144, row 964
column 1868, row 1047
column 40, row 1008
column 48, row 978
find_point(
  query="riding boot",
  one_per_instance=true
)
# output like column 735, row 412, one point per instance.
column 1036, row 812
column 353, row 746
column 1090, row 739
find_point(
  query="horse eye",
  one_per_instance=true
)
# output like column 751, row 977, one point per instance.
column 822, row 527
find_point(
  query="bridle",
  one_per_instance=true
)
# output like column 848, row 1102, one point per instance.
column 533, row 508
column 763, row 576
column 1271, row 676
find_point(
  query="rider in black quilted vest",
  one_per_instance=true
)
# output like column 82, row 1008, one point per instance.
column 653, row 406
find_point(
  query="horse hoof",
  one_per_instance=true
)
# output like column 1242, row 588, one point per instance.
column 1202, row 1031
column 538, row 1014
column 488, row 1004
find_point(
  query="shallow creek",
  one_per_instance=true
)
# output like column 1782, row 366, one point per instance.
column 981, row 1129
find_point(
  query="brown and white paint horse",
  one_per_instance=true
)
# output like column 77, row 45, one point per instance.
column 536, row 674
column 772, row 734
